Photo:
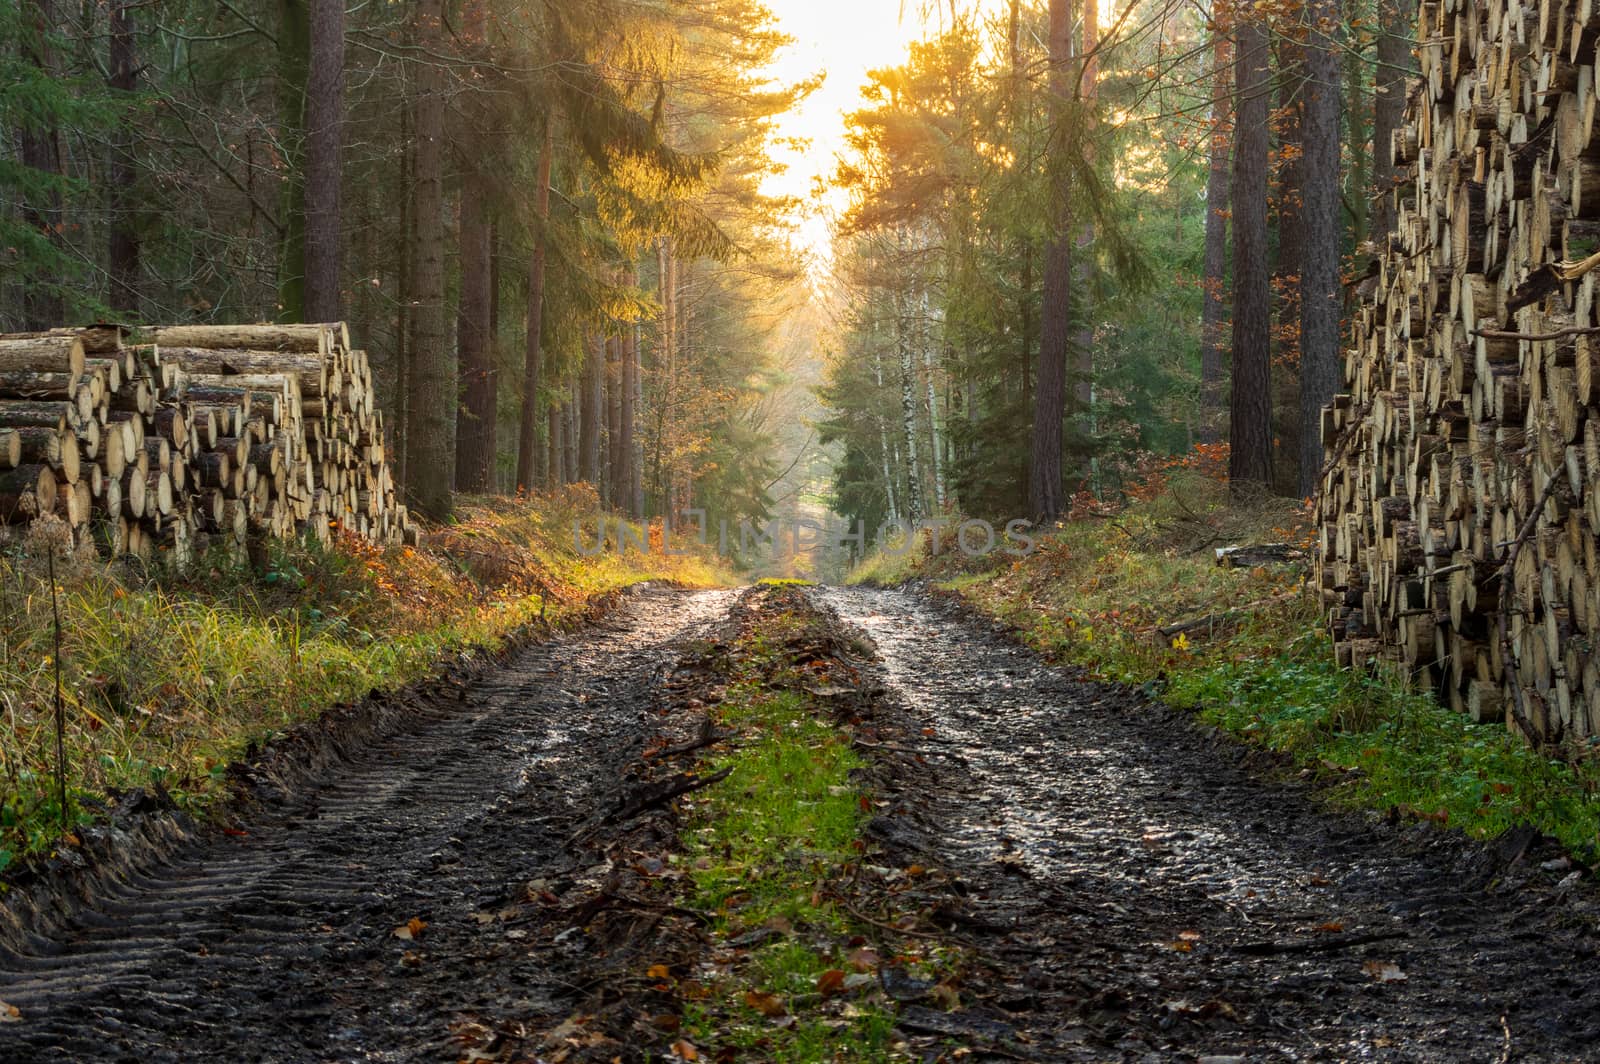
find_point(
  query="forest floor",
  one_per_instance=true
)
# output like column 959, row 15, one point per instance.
column 795, row 824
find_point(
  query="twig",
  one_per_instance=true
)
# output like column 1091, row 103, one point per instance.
column 1505, row 1054
column 1317, row 945
column 1557, row 334
column 663, row 793
column 864, row 918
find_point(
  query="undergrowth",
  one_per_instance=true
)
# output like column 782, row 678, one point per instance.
column 167, row 677
column 770, row 852
column 1101, row 588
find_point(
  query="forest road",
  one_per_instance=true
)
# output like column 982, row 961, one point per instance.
column 279, row 943
column 1132, row 889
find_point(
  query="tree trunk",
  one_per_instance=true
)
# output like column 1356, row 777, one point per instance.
column 1389, row 108
column 294, row 67
column 122, row 250
column 1214, row 307
column 908, row 382
column 475, row 369
column 667, row 293
column 1358, row 113
column 630, row 425
column 433, row 379
column 40, row 150
column 883, row 442
column 928, row 374
column 1286, row 204
column 475, row 419
column 627, row 411
column 1319, row 276
column 1083, row 257
column 591, row 410
column 324, row 125
column 1250, row 407
column 528, row 428
column 613, row 398
column 1045, row 498
column 556, row 467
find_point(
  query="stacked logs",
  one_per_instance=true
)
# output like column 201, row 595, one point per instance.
column 1461, row 496
column 172, row 439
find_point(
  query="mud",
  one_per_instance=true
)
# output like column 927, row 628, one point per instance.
column 277, row 941
column 1136, row 888
column 478, row 875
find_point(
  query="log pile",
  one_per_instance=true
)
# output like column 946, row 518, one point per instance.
column 174, row 439
column 1461, row 496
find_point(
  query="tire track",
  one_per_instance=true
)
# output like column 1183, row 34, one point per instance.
column 279, row 945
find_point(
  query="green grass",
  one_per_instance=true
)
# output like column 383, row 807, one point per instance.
column 1097, row 591
column 773, row 846
column 167, row 677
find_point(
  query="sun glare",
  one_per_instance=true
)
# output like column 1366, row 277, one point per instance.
column 842, row 39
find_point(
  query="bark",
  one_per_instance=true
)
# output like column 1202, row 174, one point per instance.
column 667, row 293
column 528, row 473
column 1250, row 407
column 928, row 374
column 1083, row 258
column 40, row 149
column 1214, row 310
column 475, row 420
column 1286, row 206
column 294, row 63
column 883, row 442
column 613, row 401
column 1394, row 65
column 630, row 423
column 324, row 124
column 122, row 238
column 908, row 401
column 591, row 410
column 475, row 366
column 1319, row 277
column 628, row 441
column 433, row 379
column 1045, row 497
column 556, row 468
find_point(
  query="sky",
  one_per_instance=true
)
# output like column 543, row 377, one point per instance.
column 845, row 39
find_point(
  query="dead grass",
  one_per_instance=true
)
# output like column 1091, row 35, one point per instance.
column 167, row 677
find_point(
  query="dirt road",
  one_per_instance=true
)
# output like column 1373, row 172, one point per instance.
column 1128, row 888
column 279, row 944
column 1139, row 893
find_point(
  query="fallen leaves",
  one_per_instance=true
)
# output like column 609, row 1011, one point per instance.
column 1385, row 971
column 769, row 1005
column 830, row 982
column 411, row 929
column 10, row 1013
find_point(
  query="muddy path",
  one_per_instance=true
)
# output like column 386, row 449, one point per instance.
column 277, row 941
column 1136, row 889
column 1126, row 886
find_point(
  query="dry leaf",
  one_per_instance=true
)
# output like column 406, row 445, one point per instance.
column 685, row 1050
column 864, row 960
column 1189, row 936
column 658, row 971
column 411, row 930
column 1331, row 926
column 1385, row 971
column 768, row 1005
column 830, row 982
column 946, row 997
column 10, row 1013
